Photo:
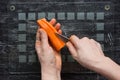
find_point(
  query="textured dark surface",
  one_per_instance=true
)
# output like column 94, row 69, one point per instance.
column 95, row 19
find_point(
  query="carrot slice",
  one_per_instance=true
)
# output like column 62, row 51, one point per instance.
column 56, row 42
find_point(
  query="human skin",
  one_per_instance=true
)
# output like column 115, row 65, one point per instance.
column 49, row 58
column 89, row 54
column 86, row 52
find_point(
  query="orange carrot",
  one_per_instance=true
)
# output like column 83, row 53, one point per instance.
column 56, row 42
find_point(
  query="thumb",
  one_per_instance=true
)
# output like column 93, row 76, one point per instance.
column 75, row 41
column 44, row 39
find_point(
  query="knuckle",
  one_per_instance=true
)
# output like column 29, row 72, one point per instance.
column 92, row 39
column 85, row 38
column 98, row 44
column 72, row 37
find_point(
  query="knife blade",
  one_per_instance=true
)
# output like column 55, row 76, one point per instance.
column 62, row 37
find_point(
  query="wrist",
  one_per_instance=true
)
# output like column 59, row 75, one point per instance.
column 50, row 73
column 100, row 64
column 108, row 68
column 93, row 64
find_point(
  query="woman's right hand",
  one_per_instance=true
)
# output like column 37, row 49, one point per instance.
column 89, row 54
column 86, row 51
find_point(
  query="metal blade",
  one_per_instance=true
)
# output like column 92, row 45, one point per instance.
column 62, row 37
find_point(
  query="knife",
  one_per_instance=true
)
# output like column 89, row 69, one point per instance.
column 62, row 37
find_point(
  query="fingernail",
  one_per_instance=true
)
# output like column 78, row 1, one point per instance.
column 67, row 43
column 71, row 36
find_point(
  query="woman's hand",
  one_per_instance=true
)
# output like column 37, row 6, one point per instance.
column 49, row 58
column 86, row 51
column 89, row 54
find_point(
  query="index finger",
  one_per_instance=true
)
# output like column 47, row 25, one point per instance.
column 75, row 41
